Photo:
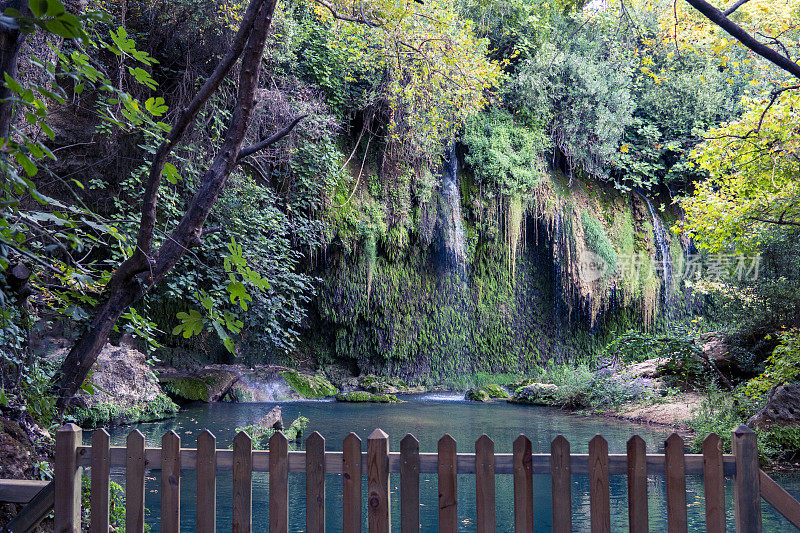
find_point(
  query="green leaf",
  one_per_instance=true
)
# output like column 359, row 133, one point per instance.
column 170, row 173
column 25, row 162
column 191, row 324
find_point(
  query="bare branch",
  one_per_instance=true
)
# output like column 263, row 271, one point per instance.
column 269, row 141
column 737, row 32
column 728, row 12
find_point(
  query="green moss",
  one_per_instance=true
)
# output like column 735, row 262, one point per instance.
column 261, row 434
column 361, row 396
column 477, row 395
column 106, row 414
column 598, row 242
column 309, row 386
column 187, row 388
column 496, row 391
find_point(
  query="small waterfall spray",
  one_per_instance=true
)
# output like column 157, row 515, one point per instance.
column 662, row 245
column 453, row 239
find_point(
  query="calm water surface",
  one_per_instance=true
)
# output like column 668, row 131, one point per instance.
column 428, row 419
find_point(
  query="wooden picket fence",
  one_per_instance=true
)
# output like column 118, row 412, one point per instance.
column 750, row 483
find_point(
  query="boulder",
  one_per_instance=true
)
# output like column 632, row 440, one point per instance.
column 783, row 408
column 208, row 384
column 273, row 419
column 536, row 394
column 650, row 368
column 125, row 390
column 477, row 395
column 308, row 385
column 496, row 391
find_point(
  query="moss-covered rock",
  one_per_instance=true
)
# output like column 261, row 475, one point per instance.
column 363, row 396
column 309, row 386
column 496, row 391
column 477, row 395
column 209, row 384
column 387, row 385
column 536, row 394
column 107, row 413
column 262, row 434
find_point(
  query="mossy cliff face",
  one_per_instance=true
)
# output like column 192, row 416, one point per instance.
column 525, row 296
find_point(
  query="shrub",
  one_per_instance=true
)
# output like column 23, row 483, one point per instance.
column 783, row 365
column 362, row 396
column 261, row 434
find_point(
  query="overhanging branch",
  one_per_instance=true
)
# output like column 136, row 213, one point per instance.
column 269, row 141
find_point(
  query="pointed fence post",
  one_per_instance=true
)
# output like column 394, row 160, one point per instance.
column 409, row 484
column 675, row 473
column 599, row 491
column 67, row 505
column 171, row 483
column 484, row 484
column 561, row 477
column 101, row 470
column 378, row 504
column 134, row 482
column 278, row 483
column 523, row 485
column 351, row 484
column 448, row 492
column 747, row 489
column 637, row 485
column 206, row 483
column 242, row 514
column 714, row 483
column 315, row 483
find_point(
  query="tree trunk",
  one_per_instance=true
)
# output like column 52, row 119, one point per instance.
column 144, row 270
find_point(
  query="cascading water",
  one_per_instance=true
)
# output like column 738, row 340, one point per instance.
column 450, row 220
column 662, row 245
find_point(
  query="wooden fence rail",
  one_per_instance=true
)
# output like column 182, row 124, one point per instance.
column 377, row 463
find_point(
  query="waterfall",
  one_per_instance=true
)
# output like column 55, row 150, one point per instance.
column 662, row 246
column 453, row 239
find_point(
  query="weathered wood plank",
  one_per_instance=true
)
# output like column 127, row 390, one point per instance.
column 100, row 486
column 637, row 485
column 523, row 485
column 677, row 521
column 484, row 484
column 20, row 490
column 503, row 462
column 35, row 511
column 378, row 502
column 134, row 483
column 170, row 483
column 448, row 494
column 351, row 483
column 315, row 483
column 278, row 483
column 777, row 497
column 242, row 514
column 409, row 485
column 714, row 483
column 599, row 495
column 206, row 483
column 747, row 491
column 561, row 479
column 67, row 506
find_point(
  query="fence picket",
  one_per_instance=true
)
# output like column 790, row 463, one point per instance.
column 67, row 502
column 206, row 521
column 484, row 484
column 561, row 476
column 315, row 483
column 599, row 496
column 378, row 503
column 170, row 483
column 714, row 484
column 278, row 483
column 746, row 487
column 448, row 497
column 523, row 485
column 242, row 483
column 134, row 483
column 637, row 485
column 409, row 484
column 101, row 470
column 676, row 484
column 351, row 483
